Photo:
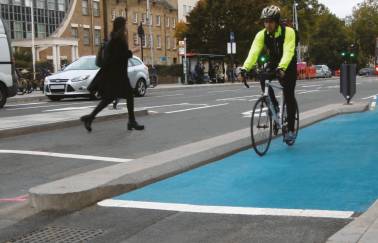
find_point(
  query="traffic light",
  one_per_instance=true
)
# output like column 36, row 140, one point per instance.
column 343, row 54
column 263, row 59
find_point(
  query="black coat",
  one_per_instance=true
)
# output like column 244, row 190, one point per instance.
column 112, row 80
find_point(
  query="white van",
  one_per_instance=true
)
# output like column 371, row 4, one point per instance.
column 8, row 78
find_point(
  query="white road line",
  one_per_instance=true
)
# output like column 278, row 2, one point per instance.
column 370, row 97
column 227, row 210
column 314, row 85
column 333, row 87
column 70, row 108
column 60, row 155
column 196, row 108
column 309, row 91
column 181, row 104
column 223, row 91
column 238, row 98
column 166, row 96
column 38, row 103
column 47, row 106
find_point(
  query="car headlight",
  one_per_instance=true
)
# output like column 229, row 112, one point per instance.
column 80, row 78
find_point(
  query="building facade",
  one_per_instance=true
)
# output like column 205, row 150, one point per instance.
column 48, row 14
column 184, row 8
column 162, row 21
column 68, row 29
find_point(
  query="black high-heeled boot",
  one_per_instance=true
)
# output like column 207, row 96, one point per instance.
column 134, row 125
column 87, row 120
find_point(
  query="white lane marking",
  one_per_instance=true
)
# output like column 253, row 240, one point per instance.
column 309, row 91
column 70, row 108
column 227, row 210
column 223, row 91
column 309, row 86
column 60, row 155
column 47, row 106
column 333, row 87
column 238, row 98
column 370, row 97
column 196, row 108
column 166, row 96
column 181, row 104
column 38, row 103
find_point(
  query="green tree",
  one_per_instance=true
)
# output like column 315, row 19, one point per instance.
column 365, row 29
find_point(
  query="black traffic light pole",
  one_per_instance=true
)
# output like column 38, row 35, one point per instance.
column 141, row 36
column 348, row 71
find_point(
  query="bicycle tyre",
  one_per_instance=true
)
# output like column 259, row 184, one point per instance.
column 261, row 140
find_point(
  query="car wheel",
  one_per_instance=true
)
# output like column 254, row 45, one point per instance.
column 140, row 88
column 53, row 98
column 3, row 96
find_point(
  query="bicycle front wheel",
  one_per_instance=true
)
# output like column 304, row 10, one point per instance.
column 261, row 127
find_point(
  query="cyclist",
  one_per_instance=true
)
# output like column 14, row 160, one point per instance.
column 280, row 42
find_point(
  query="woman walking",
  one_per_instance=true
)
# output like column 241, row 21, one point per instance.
column 112, row 81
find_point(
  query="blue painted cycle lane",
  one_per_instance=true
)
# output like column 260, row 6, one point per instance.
column 333, row 166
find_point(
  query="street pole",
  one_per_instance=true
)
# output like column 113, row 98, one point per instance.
column 141, row 35
column 295, row 21
column 149, row 21
column 33, row 42
column 185, row 64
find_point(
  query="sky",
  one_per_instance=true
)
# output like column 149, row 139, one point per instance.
column 341, row 8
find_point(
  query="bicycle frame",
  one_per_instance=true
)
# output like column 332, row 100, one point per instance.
column 276, row 117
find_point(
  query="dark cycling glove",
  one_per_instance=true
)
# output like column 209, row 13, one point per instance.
column 280, row 73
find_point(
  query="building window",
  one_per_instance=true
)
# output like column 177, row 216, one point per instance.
column 144, row 43
column 144, row 16
column 51, row 4
column 41, row 31
column 173, row 23
column 18, row 30
column 86, row 40
column 174, row 44
column 135, row 18
column 97, row 37
column 150, row 19
column 168, row 44
column 41, row 4
column 158, row 20
column 4, row 1
column 135, row 39
column 84, row 7
column 113, row 14
column 167, row 22
column 151, row 44
column 27, row 2
column 61, row 5
column 17, row 2
column 158, row 40
column 96, row 9
column 74, row 32
column 185, row 10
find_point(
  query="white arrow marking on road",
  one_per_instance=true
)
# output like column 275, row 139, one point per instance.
column 71, row 156
column 314, row 85
column 309, row 91
column 239, row 98
column 370, row 97
column 226, row 210
column 196, row 108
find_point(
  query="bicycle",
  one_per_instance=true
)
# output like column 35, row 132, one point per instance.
column 262, row 131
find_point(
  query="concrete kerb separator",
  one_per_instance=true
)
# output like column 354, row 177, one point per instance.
column 71, row 121
column 78, row 191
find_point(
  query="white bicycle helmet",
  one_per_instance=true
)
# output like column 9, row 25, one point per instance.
column 271, row 12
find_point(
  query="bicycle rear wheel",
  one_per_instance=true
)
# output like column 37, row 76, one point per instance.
column 261, row 127
column 285, row 123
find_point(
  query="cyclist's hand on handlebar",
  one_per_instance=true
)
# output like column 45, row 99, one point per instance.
column 280, row 73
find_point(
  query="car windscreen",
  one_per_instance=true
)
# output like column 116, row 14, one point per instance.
column 84, row 63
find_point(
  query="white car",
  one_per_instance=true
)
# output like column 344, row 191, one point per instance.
column 323, row 71
column 8, row 78
column 76, row 77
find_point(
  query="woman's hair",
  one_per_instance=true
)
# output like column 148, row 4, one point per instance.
column 119, row 26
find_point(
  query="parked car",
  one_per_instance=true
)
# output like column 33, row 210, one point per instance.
column 8, row 77
column 369, row 71
column 76, row 77
column 323, row 71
